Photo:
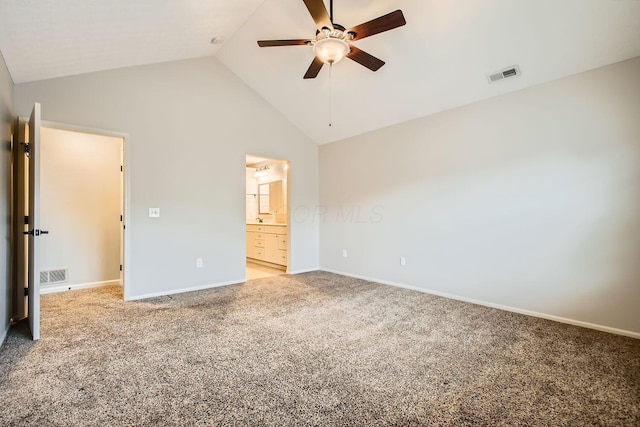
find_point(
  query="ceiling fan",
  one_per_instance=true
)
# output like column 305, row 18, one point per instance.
column 332, row 42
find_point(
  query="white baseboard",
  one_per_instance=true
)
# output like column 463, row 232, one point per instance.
column 492, row 305
column 202, row 287
column 4, row 334
column 63, row 287
column 181, row 291
column 304, row 271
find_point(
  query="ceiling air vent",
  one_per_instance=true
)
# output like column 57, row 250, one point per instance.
column 507, row 73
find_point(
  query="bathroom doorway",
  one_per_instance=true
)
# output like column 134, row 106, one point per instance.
column 267, row 216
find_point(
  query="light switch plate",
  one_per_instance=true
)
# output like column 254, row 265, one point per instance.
column 154, row 212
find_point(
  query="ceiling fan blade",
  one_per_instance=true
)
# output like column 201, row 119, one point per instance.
column 319, row 13
column 314, row 68
column 273, row 43
column 365, row 59
column 379, row 25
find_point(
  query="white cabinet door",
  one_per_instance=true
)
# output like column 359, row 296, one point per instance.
column 251, row 244
column 271, row 248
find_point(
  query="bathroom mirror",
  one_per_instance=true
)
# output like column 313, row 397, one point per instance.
column 263, row 199
column 272, row 198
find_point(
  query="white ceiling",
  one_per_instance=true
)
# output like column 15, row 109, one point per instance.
column 41, row 39
column 439, row 60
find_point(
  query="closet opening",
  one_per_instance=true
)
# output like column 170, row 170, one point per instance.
column 82, row 204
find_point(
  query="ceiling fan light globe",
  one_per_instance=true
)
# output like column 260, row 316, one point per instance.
column 331, row 50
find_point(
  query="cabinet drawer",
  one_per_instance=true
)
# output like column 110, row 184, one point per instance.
column 259, row 253
column 258, row 243
column 266, row 228
column 282, row 257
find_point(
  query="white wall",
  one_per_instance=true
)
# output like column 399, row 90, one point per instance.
column 80, row 195
column 190, row 125
column 529, row 200
column 6, row 122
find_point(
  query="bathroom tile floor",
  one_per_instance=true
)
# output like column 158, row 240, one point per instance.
column 257, row 271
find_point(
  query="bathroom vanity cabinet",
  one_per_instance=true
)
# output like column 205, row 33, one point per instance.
column 267, row 243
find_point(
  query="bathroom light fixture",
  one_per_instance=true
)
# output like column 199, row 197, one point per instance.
column 262, row 171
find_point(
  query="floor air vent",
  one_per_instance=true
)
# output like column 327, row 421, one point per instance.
column 53, row 276
column 504, row 74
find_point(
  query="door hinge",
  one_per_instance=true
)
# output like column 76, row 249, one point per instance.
column 120, row 267
column 26, row 292
column 120, row 218
column 120, row 168
column 26, row 219
column 27, row 148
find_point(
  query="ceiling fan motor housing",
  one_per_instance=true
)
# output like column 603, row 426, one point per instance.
column 332, row 45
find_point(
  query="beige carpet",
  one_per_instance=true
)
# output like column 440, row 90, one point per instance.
column 313, row 349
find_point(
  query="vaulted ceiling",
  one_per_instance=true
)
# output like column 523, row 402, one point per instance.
column 439, row 60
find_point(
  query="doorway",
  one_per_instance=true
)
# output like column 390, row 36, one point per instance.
column 267, row 216
column 81, row 203
column 53, row 262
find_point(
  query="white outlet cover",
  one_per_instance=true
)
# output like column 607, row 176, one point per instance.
column 199, row 263
column 344, row 253
column 403, row 261
column 154, row 212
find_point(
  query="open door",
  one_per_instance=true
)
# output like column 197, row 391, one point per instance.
column 34, row 222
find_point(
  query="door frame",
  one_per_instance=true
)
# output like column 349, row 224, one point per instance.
column 126, row 193
column 289, row 209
